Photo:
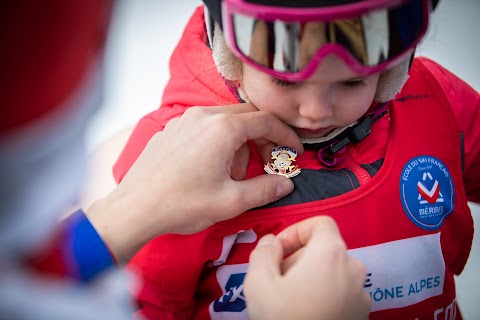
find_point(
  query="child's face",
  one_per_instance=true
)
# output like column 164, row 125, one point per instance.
column 333, row 97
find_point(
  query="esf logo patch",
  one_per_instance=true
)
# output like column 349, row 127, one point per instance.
column 426, row 191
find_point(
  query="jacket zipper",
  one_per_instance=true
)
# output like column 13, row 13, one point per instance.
column 362, row 174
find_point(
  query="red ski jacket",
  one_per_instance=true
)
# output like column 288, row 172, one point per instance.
column 399, row 197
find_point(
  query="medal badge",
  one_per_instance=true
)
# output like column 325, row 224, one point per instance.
column 282, row 164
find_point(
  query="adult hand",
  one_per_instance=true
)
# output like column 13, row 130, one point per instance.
column 318, row 281
column 183, row 182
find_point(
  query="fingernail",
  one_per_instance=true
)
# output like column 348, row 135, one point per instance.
column 266, row 240
column 285, row 187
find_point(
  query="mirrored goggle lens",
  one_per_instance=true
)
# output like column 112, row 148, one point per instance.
column 372, row 38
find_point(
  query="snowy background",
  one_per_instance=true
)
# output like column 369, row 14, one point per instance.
column 144, row 33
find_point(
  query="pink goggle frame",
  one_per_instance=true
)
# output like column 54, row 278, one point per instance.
column 289, row 43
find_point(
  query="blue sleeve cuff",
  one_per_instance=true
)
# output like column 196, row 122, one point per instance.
column 88, row 254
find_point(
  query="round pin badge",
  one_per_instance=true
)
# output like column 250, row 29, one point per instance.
column 282, row 165
column 426, row 191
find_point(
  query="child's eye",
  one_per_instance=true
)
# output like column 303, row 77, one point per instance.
column 354, row 83
column 282, row 83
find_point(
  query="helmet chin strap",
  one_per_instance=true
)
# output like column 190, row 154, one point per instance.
column 328, row 137
column 351, row 134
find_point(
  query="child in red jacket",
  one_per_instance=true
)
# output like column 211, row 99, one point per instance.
column 391, row 151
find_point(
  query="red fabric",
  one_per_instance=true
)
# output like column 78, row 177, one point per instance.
column 51, row 260
column 194, row 82
column 466, row 106
column 183, row 274
column 46, row 48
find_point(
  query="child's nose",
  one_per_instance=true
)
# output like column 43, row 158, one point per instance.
column 315, row 106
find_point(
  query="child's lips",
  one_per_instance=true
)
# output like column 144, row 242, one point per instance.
column 309, row 134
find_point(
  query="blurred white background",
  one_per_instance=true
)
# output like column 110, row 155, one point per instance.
column 144, row 33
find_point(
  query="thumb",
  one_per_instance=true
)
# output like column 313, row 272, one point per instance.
column 262, row 190
column 264, row 267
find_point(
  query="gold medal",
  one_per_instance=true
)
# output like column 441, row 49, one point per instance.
column 282, row 164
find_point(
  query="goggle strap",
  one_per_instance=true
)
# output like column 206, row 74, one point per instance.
column 209, row 26
column 214, row 10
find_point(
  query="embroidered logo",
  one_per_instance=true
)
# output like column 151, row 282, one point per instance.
column 426, row 191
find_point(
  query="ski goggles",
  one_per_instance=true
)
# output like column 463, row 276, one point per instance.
column 289, row 43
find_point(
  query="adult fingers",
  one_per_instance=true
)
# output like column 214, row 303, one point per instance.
column 358, row 272
column 291, row 260
column 264, row 267
column 319, row 244
column 265, row 147
column 251, row 193
column 261, row 124
column 232, row 109
column 171, row 124
column 298, row 235
column 243, row 122
column 240, row 163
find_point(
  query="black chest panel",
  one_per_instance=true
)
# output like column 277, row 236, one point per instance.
column 313, row 185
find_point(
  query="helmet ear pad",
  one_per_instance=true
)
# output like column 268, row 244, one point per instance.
column 391, row 81
column 230, row 67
